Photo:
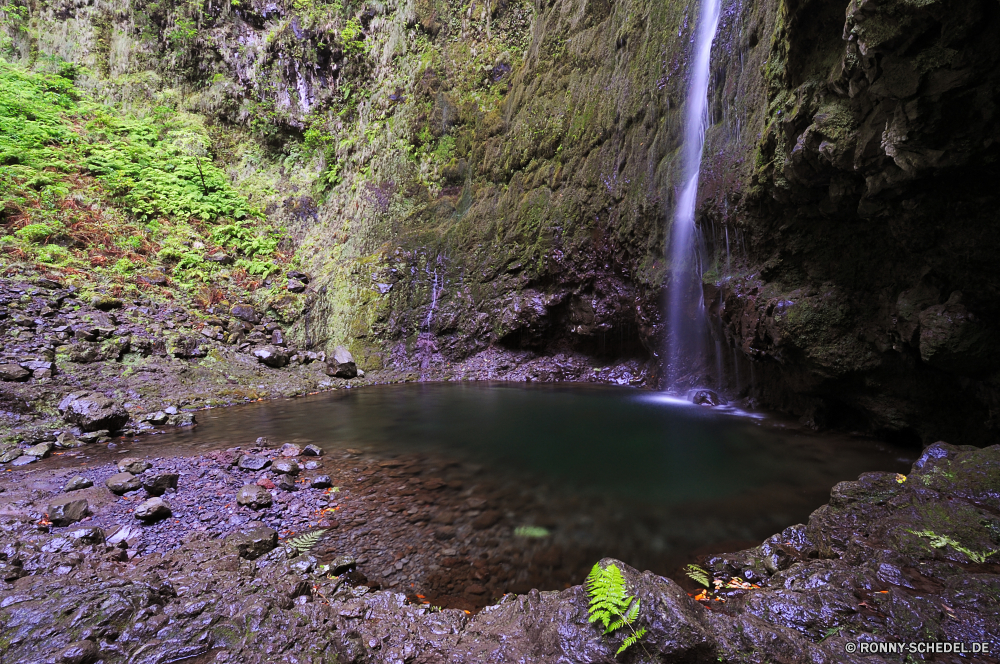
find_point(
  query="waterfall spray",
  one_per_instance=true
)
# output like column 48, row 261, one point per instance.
column 685, row 277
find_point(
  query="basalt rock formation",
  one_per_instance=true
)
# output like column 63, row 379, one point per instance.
column 459, row 179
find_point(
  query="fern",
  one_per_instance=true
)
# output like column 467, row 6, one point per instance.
column 304, row 542
column 698, row 575
column 611, row 606
column 940, row 541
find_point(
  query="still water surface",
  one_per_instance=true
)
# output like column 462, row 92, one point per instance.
column 627, row 472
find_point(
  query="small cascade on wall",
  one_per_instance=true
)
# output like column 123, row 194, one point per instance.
column 685, row 304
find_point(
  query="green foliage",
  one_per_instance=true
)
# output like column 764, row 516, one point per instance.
column 76, row 176
column 940, row 541
column 610, row 606
column 36, row 233
column 305, row 542
column 352, row 37
column 698, row 575
column 531, row 531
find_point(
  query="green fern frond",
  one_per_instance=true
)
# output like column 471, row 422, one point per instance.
column 303, row 543
column 631, row 641
column 610, row 605
column 698, row 575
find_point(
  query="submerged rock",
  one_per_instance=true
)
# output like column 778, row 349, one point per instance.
column 708, row 398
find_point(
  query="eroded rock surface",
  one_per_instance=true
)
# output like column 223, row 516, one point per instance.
column 866, row 567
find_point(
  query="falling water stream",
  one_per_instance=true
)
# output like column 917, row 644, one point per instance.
column 686, row 321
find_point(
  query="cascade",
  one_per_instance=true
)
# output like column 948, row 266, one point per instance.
column 685, row 313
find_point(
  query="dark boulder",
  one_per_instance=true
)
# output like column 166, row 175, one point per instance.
column 92, row 411
column 341, row 364
column 13, row 372
column 244, row 312
column 122, row 483
column 271, row 356
column 66, row 510
column 156, row 484
column 153, row 509
column 254, row 543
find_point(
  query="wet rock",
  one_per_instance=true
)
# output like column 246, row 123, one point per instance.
column 244, row 312
column 286, row 483
column 92, row 411
column 252, row 544
column 40, row 451
column 10, row 455
column 487, row 519
column 154, row 278
column 253, row 463
column 156, row 484
column 133, row 465
column 66, row 510
column 343, row 564
column 40, row 368
column 67, row 440
column 321, row 482
column 23, row 460
column 312, row 465
column 159, row 417
column 121, row 483
column 298, row 275
column 312, row 450
column 295, row 286
column 289, row 450
column 153, row 509
column 286, row 466
column 271, row 356
column 278, row 338
column 80, row 652
column 13, row 372
column 341, row 364
column 77, row 483
column 92, row 535
column 94, row 436
column 708, row 398
column 254, row 496
column 220, row 257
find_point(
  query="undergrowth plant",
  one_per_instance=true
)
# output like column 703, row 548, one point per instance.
column 86, row 188
column 940, row 541
column 306, row 541
column 611, row 606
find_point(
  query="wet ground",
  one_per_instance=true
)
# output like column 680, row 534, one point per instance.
column 484, row 495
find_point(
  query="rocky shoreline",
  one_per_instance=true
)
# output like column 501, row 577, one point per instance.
column 162, row 361
column 890, row 558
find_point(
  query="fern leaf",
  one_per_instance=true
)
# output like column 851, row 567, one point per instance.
column 303, row 543
column 618, row 624
column 631, row 641
column 698, row 575
column 633, row 613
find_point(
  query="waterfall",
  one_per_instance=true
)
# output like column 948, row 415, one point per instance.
column 685, row 315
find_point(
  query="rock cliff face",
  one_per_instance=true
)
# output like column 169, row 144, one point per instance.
column 499, row 174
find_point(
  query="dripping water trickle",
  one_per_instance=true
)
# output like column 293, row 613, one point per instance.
column 685, row 318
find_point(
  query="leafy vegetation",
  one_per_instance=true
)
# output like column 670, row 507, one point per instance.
column 610, row 606
column 89, row 190
column 305, row 542
column 940, row 541
column 698, row 574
